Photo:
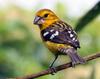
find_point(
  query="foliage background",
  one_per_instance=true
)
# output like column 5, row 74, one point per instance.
column 22, row 51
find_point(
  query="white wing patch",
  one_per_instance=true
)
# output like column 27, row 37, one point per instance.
column 46, row 33
column 71, row 35
column 73, row 39
column 69, row 31
column 51, row 30
column 55, row 34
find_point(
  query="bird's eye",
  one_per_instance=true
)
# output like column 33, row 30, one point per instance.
column 46, row 15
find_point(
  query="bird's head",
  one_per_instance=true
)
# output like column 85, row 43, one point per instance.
column 45, row 17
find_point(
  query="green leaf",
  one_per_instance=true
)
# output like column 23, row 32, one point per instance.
column 88, row 17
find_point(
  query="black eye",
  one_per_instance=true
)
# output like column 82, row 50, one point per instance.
column 46, row 15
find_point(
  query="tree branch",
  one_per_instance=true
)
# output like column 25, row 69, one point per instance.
column 58, row 68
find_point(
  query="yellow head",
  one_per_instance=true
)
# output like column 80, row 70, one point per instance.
column 44, row 18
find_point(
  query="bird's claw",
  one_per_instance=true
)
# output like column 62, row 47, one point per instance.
column 53, row 70
column 73, row 64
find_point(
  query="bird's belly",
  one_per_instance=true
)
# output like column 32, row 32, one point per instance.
column 54, row 47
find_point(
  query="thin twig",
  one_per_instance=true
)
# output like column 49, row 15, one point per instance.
column 58, row 68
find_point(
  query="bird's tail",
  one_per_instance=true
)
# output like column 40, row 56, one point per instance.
column 75, row 58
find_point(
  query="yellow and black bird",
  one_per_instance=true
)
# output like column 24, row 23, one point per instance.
column 58, row 36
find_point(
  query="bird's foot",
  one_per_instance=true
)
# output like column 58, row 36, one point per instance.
column 53, row 70
column 73, row 64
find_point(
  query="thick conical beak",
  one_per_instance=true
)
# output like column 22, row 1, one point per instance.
column 37, row 20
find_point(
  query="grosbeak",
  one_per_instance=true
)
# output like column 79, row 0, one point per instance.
column 58, row 36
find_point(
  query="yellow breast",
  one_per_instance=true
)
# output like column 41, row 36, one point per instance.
column 53, row 47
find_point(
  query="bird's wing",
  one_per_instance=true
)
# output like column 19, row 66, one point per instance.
column 62, row 33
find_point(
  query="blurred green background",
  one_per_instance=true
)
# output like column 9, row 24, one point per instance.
column 22, row 51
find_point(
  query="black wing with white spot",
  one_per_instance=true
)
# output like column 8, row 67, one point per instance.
column 61, row 33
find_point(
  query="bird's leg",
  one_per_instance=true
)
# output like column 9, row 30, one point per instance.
column 56, row 56
column 51, row 66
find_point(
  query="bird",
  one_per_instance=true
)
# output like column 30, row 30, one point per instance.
column 58, row 36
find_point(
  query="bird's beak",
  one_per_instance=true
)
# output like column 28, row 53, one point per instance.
column 38, row 20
